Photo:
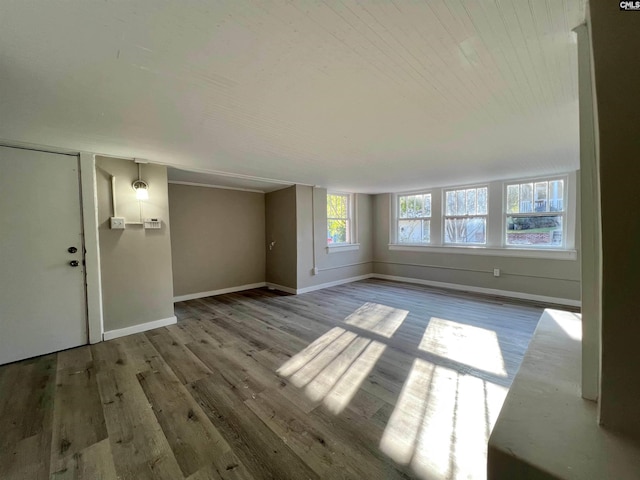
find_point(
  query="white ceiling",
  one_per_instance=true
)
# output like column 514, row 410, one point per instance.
column 367, row 96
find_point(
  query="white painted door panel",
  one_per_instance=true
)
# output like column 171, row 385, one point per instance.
column 42, row 297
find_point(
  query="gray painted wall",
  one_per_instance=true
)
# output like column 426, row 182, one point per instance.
column 337, row 265
column 615, row 38
column 280, row 227
column 554, row 278
column 135, row 263
column 217, row 238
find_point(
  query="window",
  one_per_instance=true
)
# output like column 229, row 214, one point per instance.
column 465, row 219
column 338, row 218
column 535, row 213
column 414, row 218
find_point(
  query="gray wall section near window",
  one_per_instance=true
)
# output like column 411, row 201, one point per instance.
column 335, row 266
column 553, row 278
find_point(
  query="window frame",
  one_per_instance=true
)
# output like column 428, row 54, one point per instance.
column 397, row 218
column 445, row 216
column 350, row 221
column 564, row 213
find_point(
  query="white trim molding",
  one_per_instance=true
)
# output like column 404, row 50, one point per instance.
column 142, row 327
column 207, row 185
column 488, row 291
column 282, row 288
column 333, row 284
column 212, row 293
column 343, row 247
column 548, row 253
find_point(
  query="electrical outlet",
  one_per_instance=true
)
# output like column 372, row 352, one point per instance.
column 117, row 223
column 496, row 272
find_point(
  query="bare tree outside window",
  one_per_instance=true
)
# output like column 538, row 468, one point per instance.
column 414, row 218
column 466, row 216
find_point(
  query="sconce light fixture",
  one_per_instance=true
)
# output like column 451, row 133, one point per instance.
column 140, row 186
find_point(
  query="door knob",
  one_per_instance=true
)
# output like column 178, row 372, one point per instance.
column 74, row 263
column 72, row 249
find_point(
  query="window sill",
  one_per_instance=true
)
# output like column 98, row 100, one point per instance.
column 343, row 247
column 548, row 253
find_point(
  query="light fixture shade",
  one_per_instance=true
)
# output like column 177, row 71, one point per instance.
column 142, row 189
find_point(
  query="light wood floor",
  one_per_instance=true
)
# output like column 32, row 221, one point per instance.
column 370, row 380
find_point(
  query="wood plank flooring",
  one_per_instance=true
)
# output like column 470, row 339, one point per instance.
column 374, row 379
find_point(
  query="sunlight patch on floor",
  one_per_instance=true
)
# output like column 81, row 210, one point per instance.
column 340, row 396
column 441, row 423
column 325, row 380
column 376, row 318
column 474, row 346
column 433, row 444
column 318, row 363
column 400, row 435
column 300, row 359
column 332, row 368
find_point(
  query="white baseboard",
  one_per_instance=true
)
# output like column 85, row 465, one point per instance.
column 142, row 327
column 282, row 288
column 211, row 293
column 488, row 291
column 334, row 283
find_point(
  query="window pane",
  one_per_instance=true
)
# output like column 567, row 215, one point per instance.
column 426, row 231
column 482, row 201
column 411, row 206
column 540, row 231
column 337, row 206
column 465, row 230
column 427, row 205
column 451, row 203
column 461, row 202
column 471, row 201
column 526, row 198
column 541, row 197
column 414, row 231
column 556, row 196
column 402, row 204
column 513, row 198
column 419, row 209
column 337, row 231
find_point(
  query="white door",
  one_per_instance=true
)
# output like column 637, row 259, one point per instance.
column 42, row 295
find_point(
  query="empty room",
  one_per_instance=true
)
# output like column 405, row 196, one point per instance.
column 246, row 239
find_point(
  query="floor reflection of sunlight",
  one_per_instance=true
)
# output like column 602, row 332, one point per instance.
column 325, row 380
column 443, row 416
column 433, row 445
column 322, row 359
column 332, row 368
column 301, row 358
column 473, row 346
column 471, row 430
column 349, row 383
column 377, row 318
column 400, row 435
column 441, row 423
